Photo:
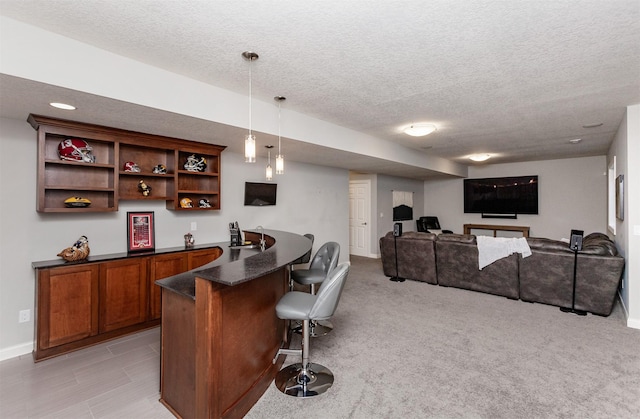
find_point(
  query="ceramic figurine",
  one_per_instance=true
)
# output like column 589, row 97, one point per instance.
column 144, row 188
column 79, row 251
column 188, row 240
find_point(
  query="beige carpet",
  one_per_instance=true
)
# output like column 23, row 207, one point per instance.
column 414, row 350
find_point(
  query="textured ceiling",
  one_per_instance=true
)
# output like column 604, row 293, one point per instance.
column 517, row 79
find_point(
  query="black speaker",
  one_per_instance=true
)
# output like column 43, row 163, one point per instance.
column 397, row 229
column 575, row 243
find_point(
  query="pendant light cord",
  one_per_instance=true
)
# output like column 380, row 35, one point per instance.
column 279, row 125
column 250, row 65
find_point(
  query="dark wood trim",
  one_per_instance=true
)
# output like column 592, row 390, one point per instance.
column 523, row 229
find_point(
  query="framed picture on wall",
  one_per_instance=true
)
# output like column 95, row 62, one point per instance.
column 140, row 231
column 620, row 197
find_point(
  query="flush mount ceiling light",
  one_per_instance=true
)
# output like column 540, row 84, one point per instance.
column 269, row 172
column 250, row 139
column 420, row 129
column 279, row 157
column 64, row 106
column 480, row 157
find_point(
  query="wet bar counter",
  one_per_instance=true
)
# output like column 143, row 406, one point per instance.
column 86, row 302
column 219, row 327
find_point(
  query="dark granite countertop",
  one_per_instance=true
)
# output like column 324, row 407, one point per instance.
column 123, row 255
column 236, row 266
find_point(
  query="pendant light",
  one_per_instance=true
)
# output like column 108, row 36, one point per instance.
column 279, row 157
column 269, row 173
column 250, row 139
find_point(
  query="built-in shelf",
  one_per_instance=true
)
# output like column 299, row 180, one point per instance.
column 105, row 182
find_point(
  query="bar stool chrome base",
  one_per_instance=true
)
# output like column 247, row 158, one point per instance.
column 298, row 382
column 316, row 328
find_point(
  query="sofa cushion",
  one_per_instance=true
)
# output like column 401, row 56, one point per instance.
column 598, row 244
column 416, row 256
column 457, row 238
column 548, row 244
column 415, row 235
column 457, row 262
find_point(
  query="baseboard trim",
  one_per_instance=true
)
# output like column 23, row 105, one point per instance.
column 15, row 351
column 368, row 255
column 632, row 323
column 624, row 308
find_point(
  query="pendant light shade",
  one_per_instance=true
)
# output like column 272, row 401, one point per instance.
column 250, row 148
column 250, row 139
column 279, row 164
column 279, row 157
column 269, row 172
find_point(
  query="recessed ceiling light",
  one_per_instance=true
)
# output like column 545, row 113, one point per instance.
column 420, row 129
column 575, row 140
column 62, row 106
column 596, row 125
column 480, row 157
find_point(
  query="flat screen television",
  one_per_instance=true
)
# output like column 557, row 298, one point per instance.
column 502, row 195
column 260, row 194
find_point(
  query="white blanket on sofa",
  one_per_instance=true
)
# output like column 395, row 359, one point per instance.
column 491, row 249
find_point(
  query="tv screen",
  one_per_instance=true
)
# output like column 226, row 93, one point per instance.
column 260, row 194
column 503, row 195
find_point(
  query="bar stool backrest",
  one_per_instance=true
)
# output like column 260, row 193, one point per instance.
column 326, row 258
column 329, row 294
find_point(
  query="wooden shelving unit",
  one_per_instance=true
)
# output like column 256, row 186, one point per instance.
column 106, row 182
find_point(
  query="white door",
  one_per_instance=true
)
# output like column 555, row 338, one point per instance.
column 359, row 223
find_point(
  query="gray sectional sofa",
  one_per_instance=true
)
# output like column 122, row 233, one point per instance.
column 544, row 277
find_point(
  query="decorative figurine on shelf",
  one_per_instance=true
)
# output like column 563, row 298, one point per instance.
column 188, row 240
column 160, row 169
column 131, row 167
column 144, row 188
column 204, row 203
column 79, row 250
column 195, row 163
column 75, row 149
column 186, row 203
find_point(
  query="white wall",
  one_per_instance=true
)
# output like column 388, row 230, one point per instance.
column 632, row 214
column 572, row 195
column 311, row 199
column 384, row 205
column 381, row 214
column 626, row 150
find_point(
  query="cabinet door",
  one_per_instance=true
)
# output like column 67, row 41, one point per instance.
column 123, row 293
column 67, row 304
column 162, row 267
column 198, row 258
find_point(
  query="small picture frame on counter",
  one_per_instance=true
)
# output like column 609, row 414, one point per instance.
column 140, row 232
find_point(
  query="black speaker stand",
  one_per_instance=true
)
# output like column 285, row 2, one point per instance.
column 395, row 248
column 573, row 297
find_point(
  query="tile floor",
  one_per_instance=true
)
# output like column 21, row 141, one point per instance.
column 116, row 379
